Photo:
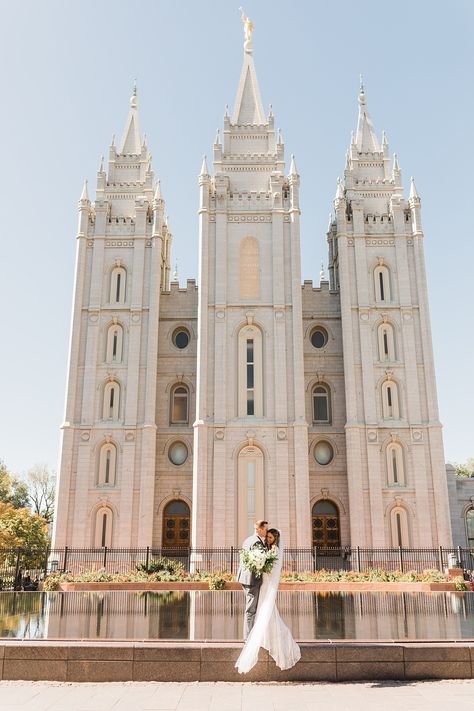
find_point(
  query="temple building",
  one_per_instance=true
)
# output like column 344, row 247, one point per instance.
column 190, row 412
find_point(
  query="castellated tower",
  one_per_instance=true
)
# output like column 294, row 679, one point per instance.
column 108, row 451
column 250, row 434
column 395, row 466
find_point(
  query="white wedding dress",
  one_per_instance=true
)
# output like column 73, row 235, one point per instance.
column 269, row 631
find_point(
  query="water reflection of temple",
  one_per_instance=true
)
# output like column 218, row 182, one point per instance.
column 207, row 615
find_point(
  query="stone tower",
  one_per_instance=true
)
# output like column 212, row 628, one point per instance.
column 107, row 466
column 395, row 467
column 250, row 434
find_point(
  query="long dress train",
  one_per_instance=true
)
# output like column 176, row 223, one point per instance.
column 269, row 630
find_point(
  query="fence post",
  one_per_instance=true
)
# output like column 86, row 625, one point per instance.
column 65, row 559
column 315, row 559
column 232, row 559
column 147, row 561
column 105, row 557
column 45, row 569
column 17, row 567
column 358, row 559
column 400, row 558
column 460, row 561
column 440, row 559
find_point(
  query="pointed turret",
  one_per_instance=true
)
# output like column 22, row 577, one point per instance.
column 85, row 193
column 413, row 191
column 293, row 170
column 158, row 196
column 131, row 143
column 366, row 139
column 248, row 107
column 204, row 169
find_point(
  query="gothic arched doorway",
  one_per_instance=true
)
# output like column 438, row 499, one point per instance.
column 176, row 525
column 325, row 524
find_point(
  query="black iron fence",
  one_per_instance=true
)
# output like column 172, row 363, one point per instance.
column 21, row 568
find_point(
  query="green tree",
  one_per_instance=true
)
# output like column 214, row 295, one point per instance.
column 465, row 469
column 19, row 528
column 41, row 491
column 12, row 490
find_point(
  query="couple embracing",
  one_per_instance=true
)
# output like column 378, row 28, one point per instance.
column 259, row 575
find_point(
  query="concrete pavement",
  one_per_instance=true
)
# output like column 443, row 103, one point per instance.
column 273, row 696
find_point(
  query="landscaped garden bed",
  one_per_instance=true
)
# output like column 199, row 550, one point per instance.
column 166, row 574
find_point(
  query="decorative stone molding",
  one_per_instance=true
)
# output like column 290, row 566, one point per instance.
column 248, row 218
column 219, row 434
column 250, row 318
column 220, row 314
column 381, row 261
column 364, row 314
column 177, row 493
column 136, row 317
column 281, row 435
column 129, row 436
column 389, row 374
column 85, row 435
column 93, row 316
column 279, row 314
column 372, row 436
column 325, row 493
column 417, row 435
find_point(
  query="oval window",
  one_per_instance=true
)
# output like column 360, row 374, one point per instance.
column 178, row 453
column 319, row 337
column 323, row 453
column 181, row 338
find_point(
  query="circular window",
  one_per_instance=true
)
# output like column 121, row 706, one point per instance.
column 319, row 337
column 323, row 453
column 181, row 338
column 178, row 453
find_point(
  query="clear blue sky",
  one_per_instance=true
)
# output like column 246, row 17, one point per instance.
column 67, row 72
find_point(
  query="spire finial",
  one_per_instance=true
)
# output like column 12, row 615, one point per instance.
column 85, row 193
column 133, row 98
column 413, row 191
column 339, row 190
column 204, row 170
column 101, row 166
column 293, row 170
column 175, row 273
column 322, row 274
column 157, row 196
column 113, row 141
column 270, row 111
column 217, row 142
column 248, row 30
column 226, row 112
column 396, row 167
column 384, row 139
column 280, row 138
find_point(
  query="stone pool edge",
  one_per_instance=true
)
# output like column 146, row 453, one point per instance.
column 206, row 661
column 297, row 586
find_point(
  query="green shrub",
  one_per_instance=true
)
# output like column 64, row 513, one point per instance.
column 161, row 565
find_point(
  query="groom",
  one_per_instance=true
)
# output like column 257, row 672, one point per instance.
column 249, row 581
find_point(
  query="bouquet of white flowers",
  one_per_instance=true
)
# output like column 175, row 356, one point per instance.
column 257, row 560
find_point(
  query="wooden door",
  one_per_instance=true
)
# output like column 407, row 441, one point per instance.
column 176, row 525
column 325, row 524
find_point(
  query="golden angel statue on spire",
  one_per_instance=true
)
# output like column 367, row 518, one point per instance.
column 248, row 25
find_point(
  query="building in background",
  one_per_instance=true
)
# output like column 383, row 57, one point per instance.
column 192, row 412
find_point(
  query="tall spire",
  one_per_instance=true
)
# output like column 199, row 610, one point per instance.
column 413, row 191
column 248, row 107
column 85, row 192
column 366, row 139
column 131, row 142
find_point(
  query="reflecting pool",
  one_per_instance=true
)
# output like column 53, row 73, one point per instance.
column 218, row 615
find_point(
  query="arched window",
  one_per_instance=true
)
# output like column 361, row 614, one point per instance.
column 176, row 525
column 325, row 524
column 250, row 372
column 470, row 528
column 395, row 465
column 251, row 505
column 249, row 268
column 114, row 344
column 103, row 527
column 107, row 465
column 399, row 527
column 321, row 403
column 382, row 283
column 386, row 342
column 110, row 409
column 118, row 285
column 390, row 401
column 179, row 414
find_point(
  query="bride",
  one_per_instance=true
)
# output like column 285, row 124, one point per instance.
column 269, row 631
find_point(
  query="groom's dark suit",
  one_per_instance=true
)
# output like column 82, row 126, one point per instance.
column 251, row 584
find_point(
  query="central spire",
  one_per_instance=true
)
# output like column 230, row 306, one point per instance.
column 366, row 138
column 131, row 143
column 248, row 108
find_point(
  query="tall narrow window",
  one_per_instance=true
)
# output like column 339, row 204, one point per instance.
column 103, row 527
column 111, row 401
column 179, row 405
column 114, row 344
column 118, row 285
column 470, row 528
column 321, row 404
column 249, row 269
column 250, row 504
column 395, row 465
column 386, row 340
column 399, row 527
column 390, row 402
column 250, row 372
column 382, row 283
column 250, row 378
column 107, row 465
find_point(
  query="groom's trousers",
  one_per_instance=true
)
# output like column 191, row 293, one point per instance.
column 251, row 602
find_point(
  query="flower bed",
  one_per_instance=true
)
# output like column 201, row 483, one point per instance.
column 173, row 577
